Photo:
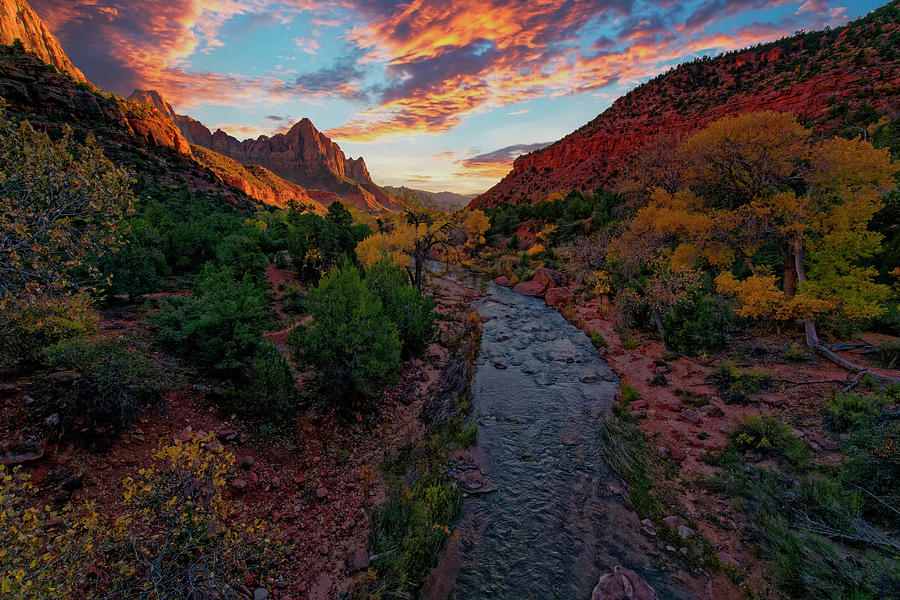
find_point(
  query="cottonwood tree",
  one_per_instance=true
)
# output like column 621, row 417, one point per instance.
column 759, row 183
column 419, row 227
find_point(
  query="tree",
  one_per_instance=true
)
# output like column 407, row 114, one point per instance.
column 410, row 310
column 352, row 341
column 762, row 193
column 61, row 204
column 421, row 226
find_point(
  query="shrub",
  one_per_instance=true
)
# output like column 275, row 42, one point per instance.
column 135, row 268
column 273, row 394
column 695, row 325
column 115, row 383
column 219, row 325
column 851, row 411
column 769, row 436
column 598, row 340
column 241, row 253
column 352, row 342
column 410, row 310
column 741, row 386
column 888, row 355
column 795, row 354
column 26, row 330
column 293, row 298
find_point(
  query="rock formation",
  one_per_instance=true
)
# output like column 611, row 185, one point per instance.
column 824, row 77
column 18, row 21
column 303, row 155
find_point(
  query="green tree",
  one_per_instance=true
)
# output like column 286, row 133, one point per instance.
column 410, row 310
column 351, row 340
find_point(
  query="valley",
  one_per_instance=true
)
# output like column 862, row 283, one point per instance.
column 658, row 358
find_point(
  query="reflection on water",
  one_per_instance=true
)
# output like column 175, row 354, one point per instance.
column 552, row 527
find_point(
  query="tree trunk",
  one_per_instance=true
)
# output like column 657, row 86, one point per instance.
column 789, row 282
column 812, row 336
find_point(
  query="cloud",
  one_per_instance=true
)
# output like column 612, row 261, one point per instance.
column 519, row 112
column 496, row 163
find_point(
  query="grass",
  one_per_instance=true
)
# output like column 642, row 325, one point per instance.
column 828, row 531
column 740, row 387
column 795, row 354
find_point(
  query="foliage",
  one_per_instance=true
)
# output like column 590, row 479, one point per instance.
column 273, row 393
column 736, row 386
column 241, row 254
column 352, row 341
column 26, row 331
column 598, row 340
column 317, row 244
column 853, row 411
column 173, row 535
column 695, row 324
column 418, row 228
column 219, row 326
column 888, row 354
column 61, row 204
column 410, row 310
column 136, row 267
column 114, row 382
column 762, row 433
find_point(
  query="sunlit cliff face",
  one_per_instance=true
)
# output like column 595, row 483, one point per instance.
column 426, row 90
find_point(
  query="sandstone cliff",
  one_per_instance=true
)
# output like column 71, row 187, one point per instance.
column 827, row 78
column 19, row 22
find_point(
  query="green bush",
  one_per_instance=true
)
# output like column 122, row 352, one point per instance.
column 737, row 386
column 115, row 382
column 695, row 325
column 851, row 411
column 598, row 340
column 241, row 253
column 410, row 310
column 293, row 298
column 888, row 355
column 26, row 330
column 219, row 326
column 769, row 436
column 272, row 394
column 352, row 342
column 135, row 268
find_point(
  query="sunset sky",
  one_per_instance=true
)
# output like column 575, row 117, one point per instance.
column 433, row 94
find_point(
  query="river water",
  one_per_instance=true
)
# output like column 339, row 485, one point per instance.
column 553, row 526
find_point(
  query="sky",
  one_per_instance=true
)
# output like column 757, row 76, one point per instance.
column 434, row 94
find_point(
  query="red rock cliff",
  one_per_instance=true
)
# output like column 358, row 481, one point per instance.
column 19, row 21
column 823, row 77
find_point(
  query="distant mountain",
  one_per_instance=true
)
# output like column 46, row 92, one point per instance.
column 19, row 22
column 837, row 78
column 303, row 155
column 448, row 200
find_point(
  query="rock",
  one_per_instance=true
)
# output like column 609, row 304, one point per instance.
column 623, row 584
column 52, row 420
column 677, row 453
column 711, row 410
column 358, row 559
column 19, row 21
column 203, row 389
column 70, row 484
column 672, row 522
column 559, row 296
column 549, row 278
column 824, row 443
column 321, row 493
column 691, row 415
column 589, row 379
column 7, row 389
column 260, row 594
column 499, row 365
column 649, row 530
column 65, row 377
column 238, row 483
column 685, row 532
column 502, row 280
column 727, row 559
column 529, row 288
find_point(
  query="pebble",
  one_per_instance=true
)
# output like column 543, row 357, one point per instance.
column 685, row 532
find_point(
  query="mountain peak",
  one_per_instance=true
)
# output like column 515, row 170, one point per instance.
column 18, row 21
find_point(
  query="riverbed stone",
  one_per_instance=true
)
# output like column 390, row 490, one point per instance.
column 502, row 280
column 549, row 278
column 623, row 584
column 529, row 288
column 559, row 296
column 358, row 559
column 685, row 532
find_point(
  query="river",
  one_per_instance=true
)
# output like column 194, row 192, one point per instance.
column 553, row 526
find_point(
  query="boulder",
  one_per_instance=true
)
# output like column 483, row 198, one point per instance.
column 623, row 584
column 691, row 415
column 549, row 278
column 559, row 296
column 358, row 559
column 530, row 288
column 502, row 280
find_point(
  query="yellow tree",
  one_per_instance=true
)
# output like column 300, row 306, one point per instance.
column 419, row 227
column 761, row 181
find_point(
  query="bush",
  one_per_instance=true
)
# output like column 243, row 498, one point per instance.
column 888, row 355
column 26, row 330
column 409, row 309
column 771, row 437
column 851, row 411
column 352, row 342
column 273, row 394
column 219, row 325
column 598, row 340
column 695, row 325
column 293, row 298
column 135, row 268
column 741, row 386
column 115, row 383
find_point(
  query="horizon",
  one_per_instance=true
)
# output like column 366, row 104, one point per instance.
column 433, row 95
